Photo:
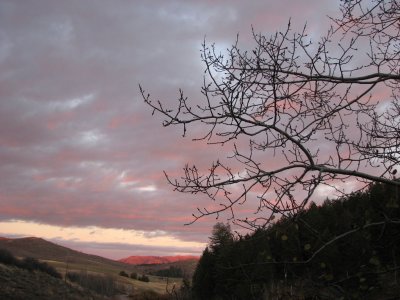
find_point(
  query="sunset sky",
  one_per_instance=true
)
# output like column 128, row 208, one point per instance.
column 81, row 156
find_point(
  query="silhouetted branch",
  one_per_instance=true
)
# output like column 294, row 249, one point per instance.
column 297, row 114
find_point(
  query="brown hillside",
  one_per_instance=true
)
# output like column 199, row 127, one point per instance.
column 45, row 250
column 18, row 284
column 64, row 259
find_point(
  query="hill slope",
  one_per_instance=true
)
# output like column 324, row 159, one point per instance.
column 156, row 260
column 64, row 259
column 17, row 284
column 44, row 250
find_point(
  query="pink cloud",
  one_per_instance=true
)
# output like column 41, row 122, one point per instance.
column 61, row 161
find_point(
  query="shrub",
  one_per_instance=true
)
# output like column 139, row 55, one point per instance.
column 171, row 272
column 28, row 263
column 144, row 278
column 7, row 258
column 123, row 273
column 103, row 285
column 32, row 264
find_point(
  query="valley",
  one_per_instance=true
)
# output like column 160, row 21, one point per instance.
column 85, row 268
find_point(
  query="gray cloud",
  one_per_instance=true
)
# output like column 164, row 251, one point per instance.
column 77, row 145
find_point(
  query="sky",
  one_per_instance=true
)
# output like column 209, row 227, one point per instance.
column 81, row 156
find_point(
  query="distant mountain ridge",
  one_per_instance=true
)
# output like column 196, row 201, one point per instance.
column 156, row 260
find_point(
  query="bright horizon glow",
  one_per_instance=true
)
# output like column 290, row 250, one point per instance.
column 96, row 235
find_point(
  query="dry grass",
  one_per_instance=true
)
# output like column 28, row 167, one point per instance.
column 16, row 283
column 64, row 259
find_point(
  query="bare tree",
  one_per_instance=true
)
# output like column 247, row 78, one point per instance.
column 297, row 114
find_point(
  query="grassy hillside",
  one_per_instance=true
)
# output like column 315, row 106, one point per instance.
column 19, row 284
column 65, row 259
column 60, row 256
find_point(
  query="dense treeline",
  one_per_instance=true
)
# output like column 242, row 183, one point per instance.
column 170, row 272
column 134, row 275
column 27, row 263
column 348, row 248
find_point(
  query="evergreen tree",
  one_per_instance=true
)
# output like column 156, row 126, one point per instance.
column 203, row 278
column 221, row 236
column 346, row 248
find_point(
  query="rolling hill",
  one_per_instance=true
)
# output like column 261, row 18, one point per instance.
column 60, row 256
column 65, row 259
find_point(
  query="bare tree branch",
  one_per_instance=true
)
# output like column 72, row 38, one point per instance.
column 297, row 114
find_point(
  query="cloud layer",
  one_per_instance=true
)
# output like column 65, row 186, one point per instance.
column 78, row 147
